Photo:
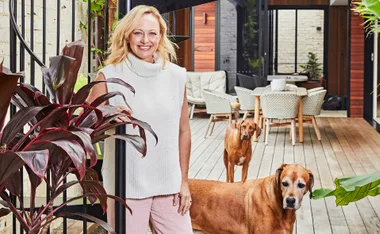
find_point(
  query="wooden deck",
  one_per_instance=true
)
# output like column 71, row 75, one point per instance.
column 349, row 146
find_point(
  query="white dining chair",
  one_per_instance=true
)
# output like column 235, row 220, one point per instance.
column 279, row 105
column 221, row 107
column 246, row 100
column 312, row 106
column 314, row 89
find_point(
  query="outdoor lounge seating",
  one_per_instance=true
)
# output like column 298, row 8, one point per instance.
column 198, row 81
column 314, row 89
column 221, row 107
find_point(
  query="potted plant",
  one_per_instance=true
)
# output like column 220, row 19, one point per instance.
column 312, row 68
column 58, row 141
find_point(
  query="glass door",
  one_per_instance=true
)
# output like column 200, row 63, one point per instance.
column 252, row 37
column 296, row 37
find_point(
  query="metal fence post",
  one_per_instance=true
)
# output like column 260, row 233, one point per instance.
column 120, row 148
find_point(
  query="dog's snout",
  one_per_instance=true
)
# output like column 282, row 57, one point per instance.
column 245, row 137
column 290, row 201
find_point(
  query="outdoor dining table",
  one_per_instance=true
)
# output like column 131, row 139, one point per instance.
column 301, row 92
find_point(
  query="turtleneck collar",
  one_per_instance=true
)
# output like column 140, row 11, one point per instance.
column 142, row 68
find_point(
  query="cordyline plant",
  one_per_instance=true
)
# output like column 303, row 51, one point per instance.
column 58, row 141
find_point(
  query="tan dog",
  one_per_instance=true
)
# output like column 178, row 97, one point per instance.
column 265, row 205
column 238, row 147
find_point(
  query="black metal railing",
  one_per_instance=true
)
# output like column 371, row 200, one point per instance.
column 18, row 61
column 27, row 40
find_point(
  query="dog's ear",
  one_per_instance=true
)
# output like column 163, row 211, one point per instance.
column 239, row 126
column 311, row 183
column 278, row 175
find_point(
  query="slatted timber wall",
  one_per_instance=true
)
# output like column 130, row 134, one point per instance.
column 357, row 66
column 184, row 52
column 204, row 37
column 337, row 52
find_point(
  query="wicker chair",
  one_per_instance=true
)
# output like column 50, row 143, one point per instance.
column 312, row 106
column 246, row 100
column 314, row 89
column 221, row 107
column 196, row 81
column 246, row 81
column 279, row 105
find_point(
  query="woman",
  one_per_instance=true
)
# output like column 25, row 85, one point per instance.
column 156, row 186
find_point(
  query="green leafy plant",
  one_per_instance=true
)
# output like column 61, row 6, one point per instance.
column 312, row 67
column 57, row 141
column 82, row 80
column 96, row 7
column 370, row 11
column 351, row 189
column 255, row 63
column 97, row 14
column 250, row 36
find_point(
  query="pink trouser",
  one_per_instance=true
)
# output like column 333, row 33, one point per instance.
column 161, row 212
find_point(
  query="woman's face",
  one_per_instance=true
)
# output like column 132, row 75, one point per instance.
column 144, row 39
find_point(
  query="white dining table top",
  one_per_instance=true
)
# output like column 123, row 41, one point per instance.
column 291, row 78
column 300, row 91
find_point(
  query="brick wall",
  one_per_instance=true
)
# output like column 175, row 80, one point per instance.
column 228, row 36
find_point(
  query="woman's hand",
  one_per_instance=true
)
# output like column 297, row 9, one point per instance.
column 183, row 198
column 123, row 118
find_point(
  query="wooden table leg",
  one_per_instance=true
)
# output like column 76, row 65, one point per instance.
column 257, row 115
column 300, row 121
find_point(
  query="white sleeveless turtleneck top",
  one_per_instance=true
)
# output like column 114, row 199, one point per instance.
column 158, row 101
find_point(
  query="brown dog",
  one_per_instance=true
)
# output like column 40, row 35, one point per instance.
column 238, row 147
column 265, row 205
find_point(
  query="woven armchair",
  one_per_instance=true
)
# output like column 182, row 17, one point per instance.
column 279, row 105
column 246, row 81
column 246, row 100
column 314, row 89
column 312, row 106
column 221, row 107
column 197, row 81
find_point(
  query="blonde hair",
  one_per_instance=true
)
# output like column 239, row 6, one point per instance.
column 119, row 47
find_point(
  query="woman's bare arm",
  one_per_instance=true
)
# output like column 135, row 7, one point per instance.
column 184, row 157
column 98, row 89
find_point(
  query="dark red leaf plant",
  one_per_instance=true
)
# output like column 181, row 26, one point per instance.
column 58, row 140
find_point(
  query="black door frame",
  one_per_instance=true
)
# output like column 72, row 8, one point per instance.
column 262, row 32
column 368, row 81
column 368, row 77
column 274, row 10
